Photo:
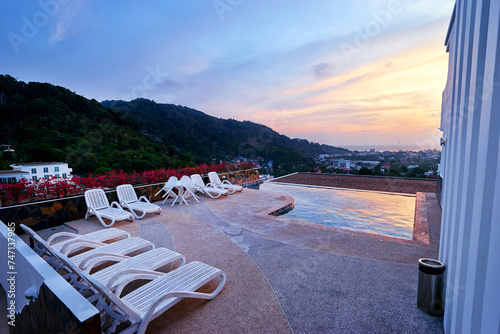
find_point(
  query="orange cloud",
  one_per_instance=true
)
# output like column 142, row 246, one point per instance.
column 398, row 93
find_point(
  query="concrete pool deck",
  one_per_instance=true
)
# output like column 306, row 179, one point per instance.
column 285, row 275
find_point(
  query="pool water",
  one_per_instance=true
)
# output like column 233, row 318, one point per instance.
column 363, row 211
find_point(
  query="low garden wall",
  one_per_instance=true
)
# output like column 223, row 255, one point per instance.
column 51, row 213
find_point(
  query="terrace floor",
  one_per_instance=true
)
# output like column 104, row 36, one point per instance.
column 284, row 275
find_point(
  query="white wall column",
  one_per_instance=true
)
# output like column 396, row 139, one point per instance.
column 470, row 234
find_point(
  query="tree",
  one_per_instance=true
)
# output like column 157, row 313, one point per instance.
column 365, row 171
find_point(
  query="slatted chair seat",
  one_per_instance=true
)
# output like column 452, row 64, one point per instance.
column 188, row 278
column 98, row 205
column 208, row 189
column 150, row 260
column 128, row 199
column 149, row 301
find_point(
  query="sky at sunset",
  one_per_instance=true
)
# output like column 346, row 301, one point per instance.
column 335, row 72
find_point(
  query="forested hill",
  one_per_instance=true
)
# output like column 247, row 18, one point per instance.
column 43, row 122
column 210, row 137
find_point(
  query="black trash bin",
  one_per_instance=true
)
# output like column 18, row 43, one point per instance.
column 430, row 297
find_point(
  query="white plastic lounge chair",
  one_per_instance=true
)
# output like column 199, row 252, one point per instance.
column 149, row 301
column 103, row 236
column 168, row 188
column 211, row 191
column 216, row 182
column 150, row 260
column 128, row 199
column 122, row 247
column 98, row 205
column 189, row 187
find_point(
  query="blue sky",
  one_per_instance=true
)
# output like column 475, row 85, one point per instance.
column 335, row 72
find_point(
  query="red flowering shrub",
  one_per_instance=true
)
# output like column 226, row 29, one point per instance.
column 28, row 190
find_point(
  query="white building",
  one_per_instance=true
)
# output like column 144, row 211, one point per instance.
column 12, row 176
column 470, row 167
column 44, row 170
column 341, row 163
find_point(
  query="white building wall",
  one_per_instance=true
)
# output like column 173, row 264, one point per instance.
column 7, row 177
column 470, row 232
column 40, row 167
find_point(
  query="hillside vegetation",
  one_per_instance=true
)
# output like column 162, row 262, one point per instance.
column 209, row 137
column 43, row 122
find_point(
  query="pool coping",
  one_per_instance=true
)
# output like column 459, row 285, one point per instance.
column 348, row 189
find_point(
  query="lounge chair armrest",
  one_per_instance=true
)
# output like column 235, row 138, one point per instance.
column 135, row 274
column 210, row 184
column 77, row 241
column 61, row 234
column 144, row 199
column 115, row 204
column 95, row 259
column 81, row 243
column 227, row 182
column 181, row 294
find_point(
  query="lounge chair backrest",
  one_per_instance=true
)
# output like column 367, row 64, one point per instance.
column 42, row 247
column 172, row 181
column 32, row 234
column 187, row 182
column 197, row 180
column 214, row 178
column 126, row 193
column 96, row 198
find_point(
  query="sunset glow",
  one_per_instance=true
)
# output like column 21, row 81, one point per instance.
column 362, row 72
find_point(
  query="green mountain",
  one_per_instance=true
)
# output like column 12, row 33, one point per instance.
column 209, row 137
column 43, row 122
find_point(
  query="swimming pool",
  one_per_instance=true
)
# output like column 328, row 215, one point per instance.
column 363, row 211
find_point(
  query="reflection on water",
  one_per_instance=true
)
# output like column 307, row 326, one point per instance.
column 362, row 211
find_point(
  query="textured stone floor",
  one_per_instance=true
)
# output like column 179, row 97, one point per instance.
column 284, row 275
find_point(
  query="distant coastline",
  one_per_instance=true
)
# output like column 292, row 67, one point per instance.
column 391, row 148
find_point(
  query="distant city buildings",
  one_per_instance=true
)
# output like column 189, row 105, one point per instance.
column 396, row 163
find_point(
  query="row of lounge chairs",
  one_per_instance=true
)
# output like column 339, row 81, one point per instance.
column 191, row 185
column 98, row 204
column 105, row 269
